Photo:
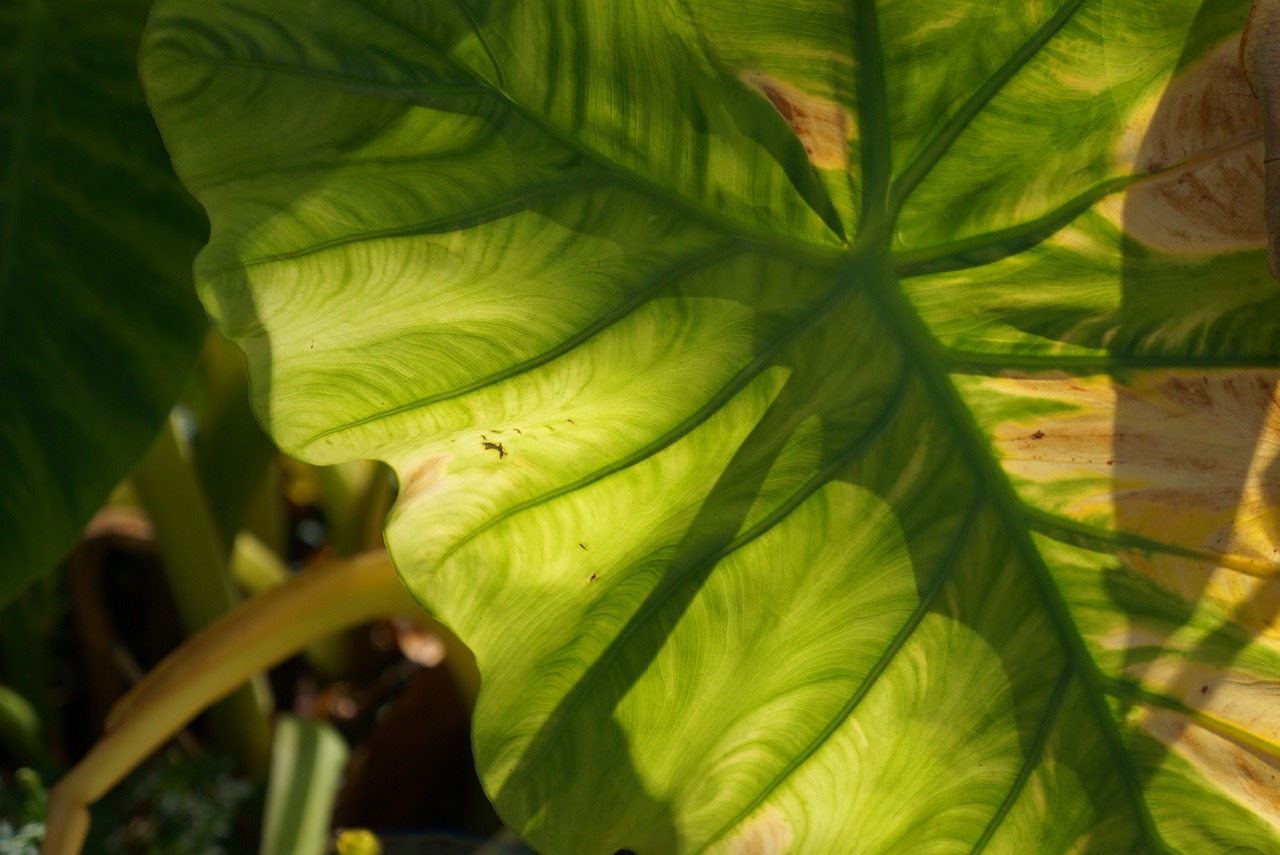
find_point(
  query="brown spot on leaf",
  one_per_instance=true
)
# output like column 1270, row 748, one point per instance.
column 767, row 833
column 424, row 477
column 1038, row 435
column 822, row 125
column 493, row 446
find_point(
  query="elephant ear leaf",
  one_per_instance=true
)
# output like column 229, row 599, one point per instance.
column 839, row 430
column 98, row 326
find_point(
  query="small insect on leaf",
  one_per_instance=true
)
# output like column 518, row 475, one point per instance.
column 493, row 446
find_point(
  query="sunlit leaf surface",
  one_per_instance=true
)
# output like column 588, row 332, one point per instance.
column 836, row 427
column 98, row 328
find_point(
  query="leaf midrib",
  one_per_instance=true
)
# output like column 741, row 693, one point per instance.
column 919, row 346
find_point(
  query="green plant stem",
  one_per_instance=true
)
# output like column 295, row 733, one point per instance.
column 355, row 496
column 340, row 487
column 255, row 568
column 265, row 518
column 308, row 759
column 233, row 455
column 20, row 731
column 195, row 563
column 258, row 634
column 375, row 502
column 23, row 659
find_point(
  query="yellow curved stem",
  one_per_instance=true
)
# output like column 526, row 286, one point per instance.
column 210, row 665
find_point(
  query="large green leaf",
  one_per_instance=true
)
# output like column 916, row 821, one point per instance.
column 98, row 328
column 835, row 426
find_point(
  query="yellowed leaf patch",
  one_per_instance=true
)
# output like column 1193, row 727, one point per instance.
column 1184, row 458
column 767, row 833
column 1200, row 139
column 822, row 125
column 1188, row 459
column 1244, row 773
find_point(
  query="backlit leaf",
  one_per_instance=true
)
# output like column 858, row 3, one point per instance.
column 835, row 426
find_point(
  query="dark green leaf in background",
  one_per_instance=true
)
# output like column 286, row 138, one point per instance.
column 98, row 324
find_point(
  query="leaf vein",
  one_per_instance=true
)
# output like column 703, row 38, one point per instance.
column 927, row 600
column 713, row 255
column 1098, row 539
column 939, row 145
column 1031, row 760
column 670, row 585
column 466, row 219
column 970, row 362
column 737, row 383
column 1227, row 730
column 459, row 96
column 900, row 315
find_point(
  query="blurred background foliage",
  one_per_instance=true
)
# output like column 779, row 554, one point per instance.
column 139, row 501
